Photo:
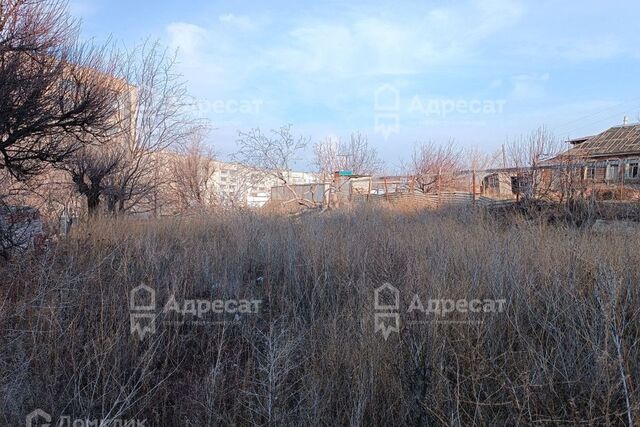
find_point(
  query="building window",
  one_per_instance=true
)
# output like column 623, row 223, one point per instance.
column 632, row 169
column 613, row 169
column 591, row 171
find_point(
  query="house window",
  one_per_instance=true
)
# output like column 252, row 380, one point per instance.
column 613, row 170
column 591, row 171
column 632, row 169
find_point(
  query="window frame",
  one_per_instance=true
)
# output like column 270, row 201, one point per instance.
column 610, row 165
column 627, row 168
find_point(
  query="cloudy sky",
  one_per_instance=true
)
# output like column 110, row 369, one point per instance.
column 476, row 72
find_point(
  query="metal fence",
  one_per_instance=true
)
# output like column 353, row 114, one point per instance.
column 310, row 192
column 365, row 190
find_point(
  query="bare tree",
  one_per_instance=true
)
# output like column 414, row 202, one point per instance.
column 357, row 155
column 153, row 115
column 271, row 155
column 191, row 181
column 160, row 118
column 434, row 166
column 532, row 149
column 477, row 160
column 89, row 168
column 242, row 181
column 57, row 95
column 529, row 153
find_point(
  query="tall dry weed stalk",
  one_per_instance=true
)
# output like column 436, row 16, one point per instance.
column 566, row 349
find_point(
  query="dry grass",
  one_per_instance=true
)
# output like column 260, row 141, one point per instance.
column 564, row 351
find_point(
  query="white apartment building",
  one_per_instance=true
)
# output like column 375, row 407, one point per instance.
column 238, row 184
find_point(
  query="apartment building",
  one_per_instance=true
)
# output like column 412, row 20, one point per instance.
column 239, row 184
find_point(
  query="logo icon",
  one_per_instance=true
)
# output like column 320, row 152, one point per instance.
column 142, row 317
column 386, row 106
column 35, row 417
column 385, row 312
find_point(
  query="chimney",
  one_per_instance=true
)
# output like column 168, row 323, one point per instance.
column 625, row 121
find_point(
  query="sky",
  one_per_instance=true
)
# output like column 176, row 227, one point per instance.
column 475, row 73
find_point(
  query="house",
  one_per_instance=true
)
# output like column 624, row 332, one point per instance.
column 610, row 157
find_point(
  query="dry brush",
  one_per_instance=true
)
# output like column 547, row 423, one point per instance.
column 564, row 351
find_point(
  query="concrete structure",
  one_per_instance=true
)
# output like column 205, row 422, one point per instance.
column 498, row 185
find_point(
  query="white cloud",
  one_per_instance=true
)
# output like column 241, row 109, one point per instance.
column 351, row 45
column 239, row 21
column 578, row 49
column 336, row 63
column 496, row 14
column 189, row 39
column 592, row 50
column 203, row 60
column 83, row 8
column 529, row 86
column 369, row 45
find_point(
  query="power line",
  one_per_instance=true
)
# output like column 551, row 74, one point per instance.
column 601, row 120
column 597, row 113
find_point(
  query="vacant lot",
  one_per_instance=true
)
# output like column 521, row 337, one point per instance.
column 564, row 349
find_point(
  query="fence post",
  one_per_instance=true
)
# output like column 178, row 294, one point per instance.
column 438, row 178
column 473, row 186
column 386, row 190
column 622, row 171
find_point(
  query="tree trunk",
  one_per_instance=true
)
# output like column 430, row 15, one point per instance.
column 93, row 202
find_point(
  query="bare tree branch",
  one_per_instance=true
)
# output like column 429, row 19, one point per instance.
column 435, row 165
column 357, row 155
column 56, row 94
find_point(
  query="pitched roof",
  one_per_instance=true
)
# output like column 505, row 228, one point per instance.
column 576, row 141
column 618, row 140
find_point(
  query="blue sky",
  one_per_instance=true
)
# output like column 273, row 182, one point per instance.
column 476, row 72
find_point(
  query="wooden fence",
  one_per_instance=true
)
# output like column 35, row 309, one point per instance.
column 433, row 200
